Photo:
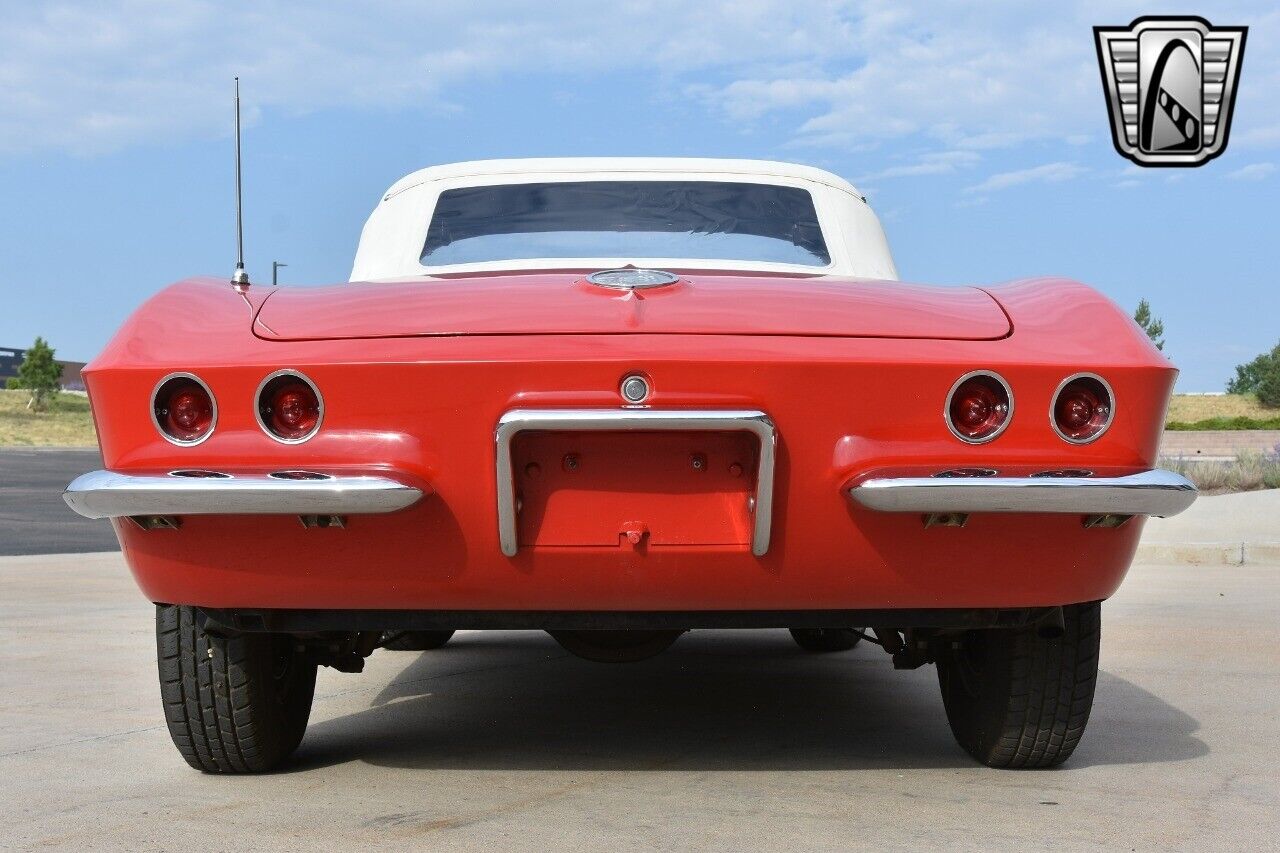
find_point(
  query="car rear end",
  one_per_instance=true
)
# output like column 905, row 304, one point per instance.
column 513, row 426
column 759, row 473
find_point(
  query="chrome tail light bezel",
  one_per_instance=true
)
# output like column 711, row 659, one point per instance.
column 154, row 402
column 955, row 386
column 1111, row 408
column 288, row 373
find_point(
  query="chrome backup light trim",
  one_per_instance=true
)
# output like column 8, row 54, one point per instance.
column 1053, row 405
column 635, row 388
column 257, row 404
column 1157, row 492
column 109, row 494
column 213, row 405
column 628, row 420
column 946, row 407
column 298, row 474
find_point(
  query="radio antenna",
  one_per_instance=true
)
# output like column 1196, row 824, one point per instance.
column 239, row 278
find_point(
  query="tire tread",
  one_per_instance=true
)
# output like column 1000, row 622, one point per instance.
column 219, row 707
column 1035, row 702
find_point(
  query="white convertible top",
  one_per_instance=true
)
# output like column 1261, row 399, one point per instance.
column 620, row 165
column 392, row 240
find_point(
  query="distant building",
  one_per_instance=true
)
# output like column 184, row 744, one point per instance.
column 11, row 359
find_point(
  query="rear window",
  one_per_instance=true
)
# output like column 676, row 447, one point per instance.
column 700, row 220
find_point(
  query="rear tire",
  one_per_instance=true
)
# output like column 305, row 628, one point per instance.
column 415, row 641
column 1017, row 699
column 233, row 705
column 822, row 640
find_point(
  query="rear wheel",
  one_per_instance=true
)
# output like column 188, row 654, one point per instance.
column 415, row 641
column 826, row 639
column 615, row 646
column 233, row 705
column 1015, row 698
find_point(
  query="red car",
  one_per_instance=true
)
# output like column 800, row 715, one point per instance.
column 617, row 400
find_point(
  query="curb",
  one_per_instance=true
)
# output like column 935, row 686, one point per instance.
column 7, row 560
column 1210, row 553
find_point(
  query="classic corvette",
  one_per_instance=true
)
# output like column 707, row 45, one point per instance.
column 617, row 400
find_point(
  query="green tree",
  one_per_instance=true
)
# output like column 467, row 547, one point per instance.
column 1269, row 387
column 1260, row 376
column 39, row 374
column 1152, row 326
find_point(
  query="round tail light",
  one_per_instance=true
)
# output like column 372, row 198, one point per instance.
column 183, row 409
column 979, row 407
column 1082, row 409
column 289, row 407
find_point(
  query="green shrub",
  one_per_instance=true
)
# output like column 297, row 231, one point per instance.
column 1247, row 473
column 1260, row 376
column 1269, row 387
column 1238, row 422
column 1271, row 477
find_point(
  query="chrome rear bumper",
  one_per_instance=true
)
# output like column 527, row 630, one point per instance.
column 1156, row 492
column 107, row 494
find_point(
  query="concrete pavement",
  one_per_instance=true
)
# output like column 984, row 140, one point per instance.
column 1230, row 529
column 730, row 741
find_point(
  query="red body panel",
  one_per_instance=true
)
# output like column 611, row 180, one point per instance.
column 671, row 488
column 426, row 406
column 699, row 304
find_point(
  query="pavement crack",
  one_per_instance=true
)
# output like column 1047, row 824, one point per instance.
column 75, row 741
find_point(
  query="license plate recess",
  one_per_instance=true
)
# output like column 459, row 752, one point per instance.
column 628, row 488
column 634, row 476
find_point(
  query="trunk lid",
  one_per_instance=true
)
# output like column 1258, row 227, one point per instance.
column 564, row 303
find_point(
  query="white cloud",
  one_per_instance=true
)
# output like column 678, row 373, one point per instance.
column 981, row 75
column 88, row 75
column 1048, row 173
column 932, row 163
column 973, row 76
column 1253, row 172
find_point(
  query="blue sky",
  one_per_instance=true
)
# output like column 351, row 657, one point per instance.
column 978, row 132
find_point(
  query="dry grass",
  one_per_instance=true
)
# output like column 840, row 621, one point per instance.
column 66, row 424
column 1249, row 473
column 1190, row 408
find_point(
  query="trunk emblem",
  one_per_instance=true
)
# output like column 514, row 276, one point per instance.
column 632, row 279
